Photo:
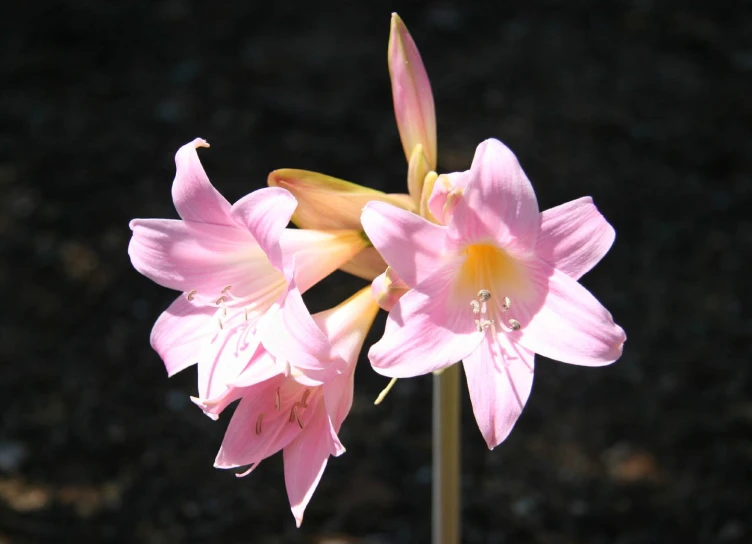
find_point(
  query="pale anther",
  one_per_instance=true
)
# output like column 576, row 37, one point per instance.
column 476, row 306
column 304, row 400
column 277, row 400
column 226, row 289
column 191, row 294
column 506, row 303
column 514, row 324
column 484, row 295
column 220, row 300
column 259, row 419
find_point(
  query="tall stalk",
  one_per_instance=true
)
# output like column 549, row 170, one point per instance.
column 446, row 457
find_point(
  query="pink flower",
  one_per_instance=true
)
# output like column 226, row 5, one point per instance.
column 233, row 264
column 296, row 392
column 492, row 287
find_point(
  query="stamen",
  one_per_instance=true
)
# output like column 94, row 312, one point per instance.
column 514, row 324
column 245, row 311
column 226, row 289
column 259, row 419
column 304, row 400
column 277, row 400
column 484, row 295
column 191, row 294
column 294, row 412
column 220, row 323
column 297, row 418
column 506, row 303
column 476, row 306
column 220, row 300
column 385, row 392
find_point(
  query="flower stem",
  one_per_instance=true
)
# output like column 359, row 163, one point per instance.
column 446, row 456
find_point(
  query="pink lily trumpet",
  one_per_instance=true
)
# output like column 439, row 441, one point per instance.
column 492, row 287
column 296, row 392
column 233, row 264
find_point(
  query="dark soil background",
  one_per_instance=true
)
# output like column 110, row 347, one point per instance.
column 644, row 105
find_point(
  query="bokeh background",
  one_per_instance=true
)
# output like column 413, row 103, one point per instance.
column 644, row 105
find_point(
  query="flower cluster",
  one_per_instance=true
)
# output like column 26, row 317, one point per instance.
column 467, row 266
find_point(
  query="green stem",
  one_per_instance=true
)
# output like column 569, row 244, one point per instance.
column 446, row 456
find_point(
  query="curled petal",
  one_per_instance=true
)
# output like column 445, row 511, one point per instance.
column 411, row 91
column 326, row 202
column 447, row 190
column 195, row 197
column 574, row 237
column 265, row 213
column 388, row 288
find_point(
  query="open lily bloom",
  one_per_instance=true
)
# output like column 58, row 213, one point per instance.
column 492, row 287
column 233, row 264
column 296, row 392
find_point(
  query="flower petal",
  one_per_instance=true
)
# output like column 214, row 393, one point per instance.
column 305, row 460
column 447, row 191
column 185, row 256
column 195, row 197
column 411, row 91
column 428, row 329
column 180, row 332
column 564, row 321
column 499, row 378
column 326, row 202
column 367, row 264
column 319, row 253
column 498, row 202
column 417, row 169
column 266, row 212
column 409, row 244
column 574, row 237
column 292, row 335
column 345, row 326
column 388, row 288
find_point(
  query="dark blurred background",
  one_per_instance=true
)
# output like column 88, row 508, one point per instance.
column 644, row 105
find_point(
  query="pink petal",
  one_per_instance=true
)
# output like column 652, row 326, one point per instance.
column 265, row 213
column 498, row 203
column 291, row 335
column 409, row 244
column 446, row 192
column 186, row 256
column 411, row 90
column 427, row 330
column 180, row 333
column 388, row 288
column 563, row 321
column 346, row 327
column 499, row 378
column 319, row 253
column 574, row 237
column 195, row 197
column 305, row 460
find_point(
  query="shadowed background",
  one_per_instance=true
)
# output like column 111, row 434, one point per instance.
column 642, row 105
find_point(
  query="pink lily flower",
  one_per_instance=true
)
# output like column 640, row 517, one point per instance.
column 233, row 264
column 296, row 393
column 493, row 286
